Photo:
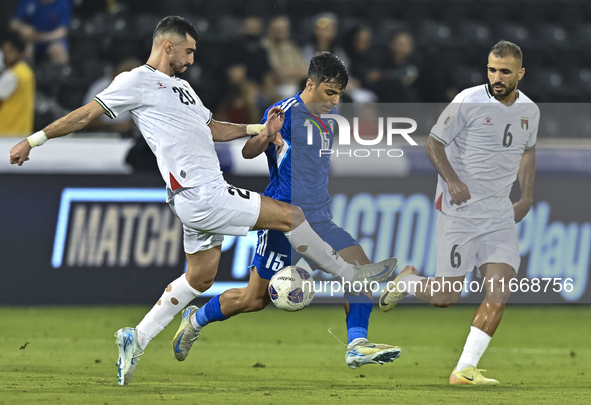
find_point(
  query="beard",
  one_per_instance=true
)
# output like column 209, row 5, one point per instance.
column 178, row 69
column 505, row 92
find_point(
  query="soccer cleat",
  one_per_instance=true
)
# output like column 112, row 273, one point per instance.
column 129, row 354
column 186, row 335
column 366, row 352
column 378, row 272
column 470, row 376
column 391, row 294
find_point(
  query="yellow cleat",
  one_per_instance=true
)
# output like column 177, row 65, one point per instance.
column 470, row 376
column 391, row 294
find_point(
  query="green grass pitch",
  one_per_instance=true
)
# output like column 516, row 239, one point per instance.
column 540, row 354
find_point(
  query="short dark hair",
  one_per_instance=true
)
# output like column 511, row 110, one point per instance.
column 504, row 48
column 326, row 67
column 176, row 25
column 15, row 39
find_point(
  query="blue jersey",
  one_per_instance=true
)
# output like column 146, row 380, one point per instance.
column 299, row 175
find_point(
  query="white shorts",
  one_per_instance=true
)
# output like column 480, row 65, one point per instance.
column 212, row 210
column 464, row 244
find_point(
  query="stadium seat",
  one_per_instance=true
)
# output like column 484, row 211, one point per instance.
column 472, row 33
column 386, row 30
column 434, row 33
column 468, row 76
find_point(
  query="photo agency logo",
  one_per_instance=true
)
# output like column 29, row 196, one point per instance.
column 391, row 126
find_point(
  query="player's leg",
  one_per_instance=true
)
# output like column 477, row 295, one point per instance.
column 358, row 309
column 272, row 253
column 291, row 221
column 484, row 324
column 498, row 259
column 496, row 278
column 202, row 250
column 202, row 268
column 440, row 292
column 456, row 254
column 253, row 297
column 199, row 277
column 207, row 212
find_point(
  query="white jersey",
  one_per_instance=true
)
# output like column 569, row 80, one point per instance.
column 484, row 141
column 173, row 120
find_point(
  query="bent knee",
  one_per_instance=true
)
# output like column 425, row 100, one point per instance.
column 201, row 284
column 297, row 216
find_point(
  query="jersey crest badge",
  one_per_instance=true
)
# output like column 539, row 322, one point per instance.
column 161, row 86
column 488, row 121
column 524, row 123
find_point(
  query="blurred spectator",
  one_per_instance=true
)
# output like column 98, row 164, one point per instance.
column 44, row 25
column 17, row 89
column 285, row 58
column 367, row 124
column 123, row 122
column 240, row 105
column 400, row 71
column 247, row 61
column 325, row 34
column 356, row 93
column 364, row 61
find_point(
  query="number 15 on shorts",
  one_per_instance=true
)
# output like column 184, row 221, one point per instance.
column 275, row 261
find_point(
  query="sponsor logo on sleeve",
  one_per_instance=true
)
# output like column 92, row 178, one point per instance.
column 448, row 121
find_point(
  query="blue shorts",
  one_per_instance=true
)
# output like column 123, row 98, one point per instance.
column 274, row 251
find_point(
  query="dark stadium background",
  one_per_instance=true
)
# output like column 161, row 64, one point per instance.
column 453, row 38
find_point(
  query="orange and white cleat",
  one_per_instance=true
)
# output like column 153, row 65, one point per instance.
column 391, row 294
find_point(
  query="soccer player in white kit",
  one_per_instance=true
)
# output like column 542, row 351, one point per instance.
column 181, row 133
column 481, row 143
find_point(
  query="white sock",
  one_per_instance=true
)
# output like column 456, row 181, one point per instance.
column 308, row 243
column 474, row 348
column 176, row 296
column 410, row 287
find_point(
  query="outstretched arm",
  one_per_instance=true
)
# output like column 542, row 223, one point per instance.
column 457, row 190
column 226, row 131
column 258, row 144
column 74, row 121
column 527, row 173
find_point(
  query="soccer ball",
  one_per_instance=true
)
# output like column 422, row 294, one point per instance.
column 288, row 290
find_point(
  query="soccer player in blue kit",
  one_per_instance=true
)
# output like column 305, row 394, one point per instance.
column 299, row 175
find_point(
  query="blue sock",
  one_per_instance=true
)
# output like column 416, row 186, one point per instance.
column 358, row 318
column 210, row 312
